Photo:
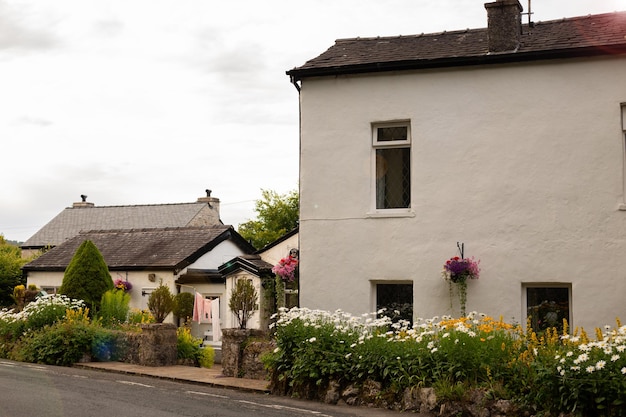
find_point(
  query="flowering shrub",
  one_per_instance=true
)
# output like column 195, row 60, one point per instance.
column 552, row 373
column 123, row 285
column 286, row 268
column 457, row 271
column 189, row 347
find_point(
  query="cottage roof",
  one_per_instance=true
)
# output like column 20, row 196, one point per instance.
column 602, row 34
column 144, row 249
column 73, row 220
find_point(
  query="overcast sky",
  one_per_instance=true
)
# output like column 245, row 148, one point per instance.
column 151, row 101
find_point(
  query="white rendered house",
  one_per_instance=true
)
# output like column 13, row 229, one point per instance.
column 509, row 139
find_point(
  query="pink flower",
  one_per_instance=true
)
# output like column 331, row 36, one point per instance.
column 286, row 268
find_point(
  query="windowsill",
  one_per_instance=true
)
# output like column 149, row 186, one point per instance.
column 390, row 213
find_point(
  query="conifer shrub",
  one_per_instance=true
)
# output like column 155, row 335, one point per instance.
column 87, row 276
column 161, row 303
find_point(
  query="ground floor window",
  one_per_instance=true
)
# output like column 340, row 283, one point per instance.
column 548, row 305
column 50, row 290
column 396, row 299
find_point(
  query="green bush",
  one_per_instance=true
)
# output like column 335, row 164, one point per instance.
column 183, row 305
column 190, row 347
column 161, row 303
column 243, row 301
column 63, row 343
column 114, row 307
column 47, row 310
column 87, row 276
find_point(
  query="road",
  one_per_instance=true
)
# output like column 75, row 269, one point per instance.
column 28, row 390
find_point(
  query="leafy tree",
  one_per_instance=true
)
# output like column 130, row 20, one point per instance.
column 183, row 305
column 161, row 303
column 243, row 301
column 11, row 263
column 87, row 276
column 276, row 215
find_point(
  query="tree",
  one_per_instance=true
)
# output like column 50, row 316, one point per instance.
column 161, row 303
column 243, row 301
column 276, row 215
column 11, row 262
column 183, row 305
column 87, row 276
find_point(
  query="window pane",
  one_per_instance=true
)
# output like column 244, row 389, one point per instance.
column 393, row 178
column 386, row 134
column 396, row 299
column 547, row 307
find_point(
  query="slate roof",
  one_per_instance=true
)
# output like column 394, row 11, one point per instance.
column 145, row 249
column 601, row 34
column 73, row 220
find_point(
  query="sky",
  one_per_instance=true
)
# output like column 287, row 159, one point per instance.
column 154, row 101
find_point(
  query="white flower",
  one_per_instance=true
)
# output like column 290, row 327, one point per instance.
column 570, row 353
column 277, row 350
column 600, row 365
column 590, row 369
column 614, row 358
column 313, row 339
column 624, row 370
column 620, row 348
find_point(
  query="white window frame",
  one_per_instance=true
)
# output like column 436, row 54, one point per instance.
column 527, row 285
column 376, row 145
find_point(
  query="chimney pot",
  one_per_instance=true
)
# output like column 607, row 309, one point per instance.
column 504, row 25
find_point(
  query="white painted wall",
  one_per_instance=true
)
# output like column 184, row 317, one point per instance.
column 280, row 251
column 523, row 163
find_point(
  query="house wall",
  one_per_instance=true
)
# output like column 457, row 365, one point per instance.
column 276, row 253
column 523, row 163
column 220, row 254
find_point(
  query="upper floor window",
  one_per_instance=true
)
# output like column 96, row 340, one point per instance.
column 392, row 150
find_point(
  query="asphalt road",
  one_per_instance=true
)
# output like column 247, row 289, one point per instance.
column 28, row 390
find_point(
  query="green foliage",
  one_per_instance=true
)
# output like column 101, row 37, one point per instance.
column 136, row 316
column 276, row 215
column 47, row 310
column 64, row 343
column 114, row 307
column 190, row 347
column 243, row 301
column 183, row 305
column 87, row 276
column 10, row 273
column 161, row 302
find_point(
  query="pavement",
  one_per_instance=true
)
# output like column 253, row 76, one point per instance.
column 213, row 376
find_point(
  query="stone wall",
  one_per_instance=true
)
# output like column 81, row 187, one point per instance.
column 241, row 353
column 154, row 346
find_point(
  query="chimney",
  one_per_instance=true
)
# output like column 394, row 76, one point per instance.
column 212, row 202
column 504, row 25
column 83, row 203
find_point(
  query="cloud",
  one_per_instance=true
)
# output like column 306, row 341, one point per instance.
column 16, row 33
column 31, row 121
